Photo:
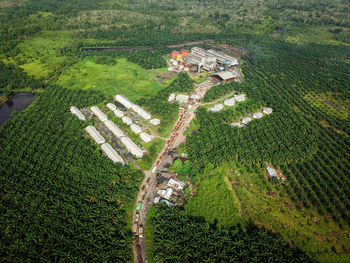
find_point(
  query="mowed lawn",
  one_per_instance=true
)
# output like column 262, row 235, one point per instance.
column 124, row 78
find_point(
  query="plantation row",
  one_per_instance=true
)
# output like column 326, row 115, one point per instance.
column 317, row 165
column 179, row 237
column 61, row 200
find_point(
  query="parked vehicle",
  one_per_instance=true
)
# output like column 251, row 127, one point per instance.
column 138, row 207
column 134, row 229
column 139, row 258
column 138, row 248
column 137, row 217
column 141, row 231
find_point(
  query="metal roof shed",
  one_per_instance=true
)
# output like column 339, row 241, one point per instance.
column 131, row 146
column 98, row 138
column 111, row 106
column 111, row 153
column 257, row 115
column 121, row 99
column 127, row 120
column 118, row 113
column 155, row 121
column 246, row 120
column 146, row 137
column 230, row 102
column 135, row 128
column 271, row 172
column 267, row 110
column 226, row 76
column 114, row 128
column 99, row 114
column 77, row 112
column 144, row 114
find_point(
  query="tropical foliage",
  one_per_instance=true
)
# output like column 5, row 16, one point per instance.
column 61, row 199
column 179, row 237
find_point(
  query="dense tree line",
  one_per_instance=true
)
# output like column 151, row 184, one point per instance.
column 13, row 77
column 179, row 237
column 221, row 90
column 61, row 199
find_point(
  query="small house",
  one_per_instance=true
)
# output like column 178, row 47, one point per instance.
column 271, row 172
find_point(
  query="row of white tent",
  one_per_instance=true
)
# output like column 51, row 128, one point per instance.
column 256, row 115
column 230, row 102
column 136, row 108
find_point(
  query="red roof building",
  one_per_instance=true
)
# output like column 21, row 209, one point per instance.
column 174, row 54
column 184, row 53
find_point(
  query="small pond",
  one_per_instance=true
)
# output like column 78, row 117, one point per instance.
column 18, row 102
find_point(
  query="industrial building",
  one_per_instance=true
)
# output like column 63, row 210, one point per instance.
column 77, row 112
column 114, row 128
column 95, row 135
column 225, row 76
column 131, row 147
column 98, row 113
column 210, row 60
column 111, row 153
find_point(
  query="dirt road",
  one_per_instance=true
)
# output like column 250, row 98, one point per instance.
column 148, row 188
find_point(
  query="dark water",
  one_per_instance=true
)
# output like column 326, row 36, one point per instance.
column 18, row 102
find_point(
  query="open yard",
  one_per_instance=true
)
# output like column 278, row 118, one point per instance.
column 126, row 78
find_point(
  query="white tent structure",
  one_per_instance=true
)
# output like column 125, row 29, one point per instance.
column 267, row 110
column 155, row 121
column 135, row 128
column 181, row 98
column 171, row 97
column 230, row 102
column 99, row 114
column 98, row 138
column 257, row 115
column 111, row 153
column 240, row 97
column 246, row 120
column 121, row 99
column 114, row 128
column 127, row 120
column 216, row 108
column 131, row 147
column 146, row 137
column 77, row 112
column 236, row 124
column 111, row 106
column 118, row 113
column 144, row 114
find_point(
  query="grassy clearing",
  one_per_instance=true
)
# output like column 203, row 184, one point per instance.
column 125, row 78
column 317, row 100
column 214, row 201
column 39, row 55
column 301, row 227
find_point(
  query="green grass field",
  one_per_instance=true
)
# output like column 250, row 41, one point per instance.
column 301, row 227
column 125, row 78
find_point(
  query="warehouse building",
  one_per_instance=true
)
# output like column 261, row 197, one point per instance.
column 226, row 76
column 77, row 112
column 222, row 58
column 111, row 153
column 114, row 128
column 95, row 135
column 131, row 147
column 98, row 113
